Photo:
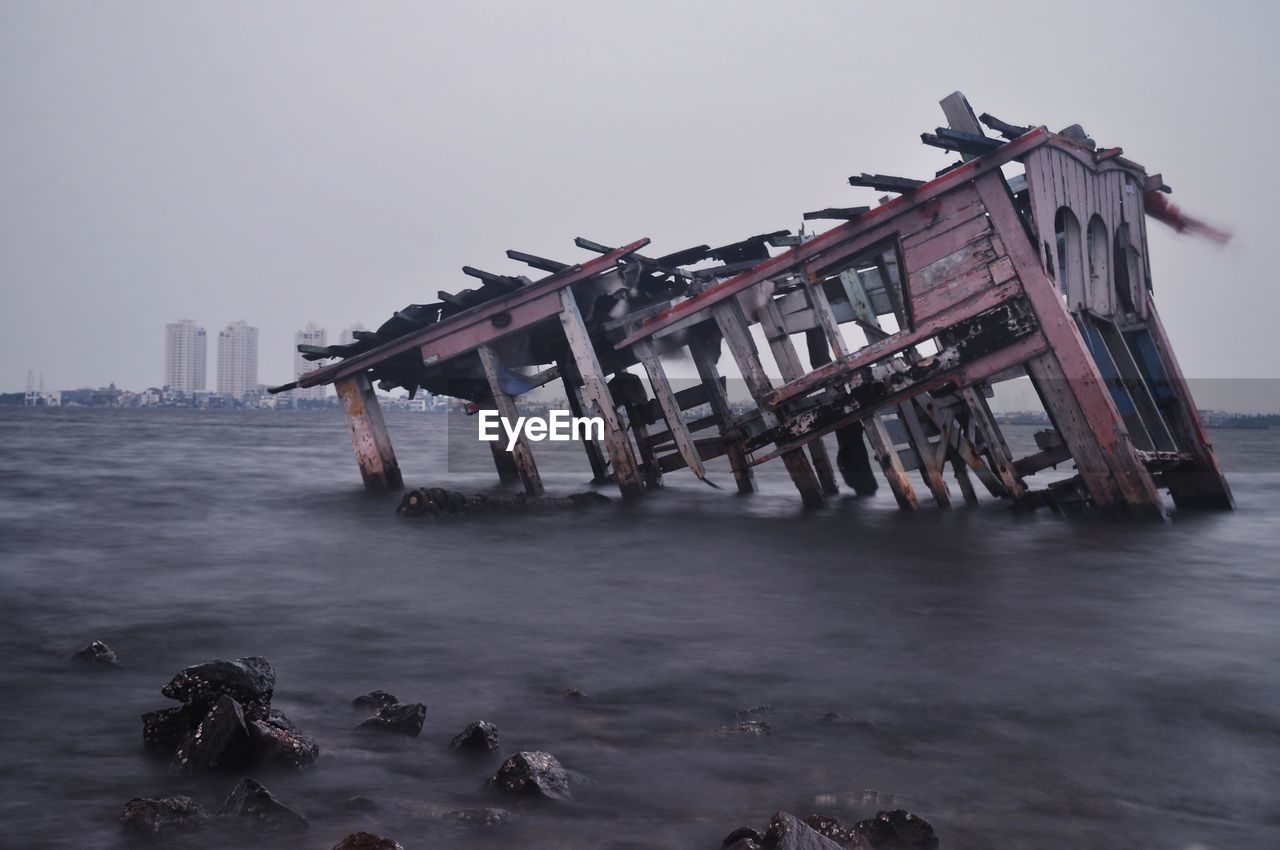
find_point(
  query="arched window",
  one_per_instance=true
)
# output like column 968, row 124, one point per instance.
column 1067, row 229
column 1121, row 262
column 1099, row 266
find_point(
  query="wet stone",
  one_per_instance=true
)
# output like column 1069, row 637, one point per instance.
column 532, row 773
column 253, row 807
column 479, row 736
column 96, row 654
column 747, row 728
column 830, row 827
column 163, row 815
column 165, row 729
column 742, row 838
column 896, row 830
column 367, row 841
column 249, row 681
column 276, row 746
column 398, row 720
column 787, row 832
column 219, row 741
column 375, row 700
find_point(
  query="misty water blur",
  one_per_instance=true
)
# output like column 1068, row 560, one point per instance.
column 1020, row 680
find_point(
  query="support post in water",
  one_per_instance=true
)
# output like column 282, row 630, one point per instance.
column 520, row 452
column 369, row 436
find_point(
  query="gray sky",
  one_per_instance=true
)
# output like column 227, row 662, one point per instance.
column 292, row 161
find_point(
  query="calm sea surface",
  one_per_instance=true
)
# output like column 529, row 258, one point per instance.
column 1020, row 680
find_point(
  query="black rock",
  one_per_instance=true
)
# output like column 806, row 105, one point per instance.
column 742, row 838
column 253, row 806
column 480, row 735
column 96, row 654
column 398, row 719
column 249, row 681
column 896, row 830
column 748, row 728
column 532, row 773
column 163, row 815
column 277, row 718
column 278, row 746
column 576, row 695
column 787, row 832
column 830, row 827
column 219, row 741
column 374, row 699
column 367, row 841
column 165, row 729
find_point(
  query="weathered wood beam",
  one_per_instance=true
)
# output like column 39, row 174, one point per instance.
column 841, row 213
column 885, row 182
column 573, row 395
column 596, row 394
column 704, row 359
column 998, row 453
column 521, row 453
column 369, row 437
column 930, row 463
column 670, row 406
column 534, row 261
column 737, row 337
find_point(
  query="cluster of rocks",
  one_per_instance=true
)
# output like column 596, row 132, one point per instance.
column 96, row 654
column 250, row 806
column 391, row 716
column 891, row 830
column 225, row 721
column 436, row 501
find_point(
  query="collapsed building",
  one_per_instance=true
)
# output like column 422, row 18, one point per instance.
column 1026, row 257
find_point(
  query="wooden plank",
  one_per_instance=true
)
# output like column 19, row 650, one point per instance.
column 788, row 360
column 890, row 464
column 670, row 407
column 596, row 394
column 521, row 453
column 704, row 360
column 930, row 465
column 997, row 449
column 503, row 460
column 573, row 394
column 369, row 437
column 737, row 337
column 472, row 323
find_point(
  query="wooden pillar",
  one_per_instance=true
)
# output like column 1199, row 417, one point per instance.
column 930, row 462
column 680, row 435
column 784, row 352
column 573, row 394
column 369, row 436
column 503, row 460
column 997, row 449
column 705, row 361
column 877, row 435
column 521, row 453
column 595, row 392
column 733, row 326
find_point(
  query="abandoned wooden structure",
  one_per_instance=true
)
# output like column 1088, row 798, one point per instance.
column 1028, row 256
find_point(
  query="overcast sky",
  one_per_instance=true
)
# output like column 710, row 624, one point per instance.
column 285, row 162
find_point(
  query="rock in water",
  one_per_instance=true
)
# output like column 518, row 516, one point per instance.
column 249, row 681
column 280, row 746
column 532, row 773
column 831, row 827
column 164, row 730
column 163, row 815
column 277, row 718
column 742, row 838
column 896, row 830
column 366, row 841
column 480, row 736
column 375, row 700
column 253, row 806
column 787, row 832
column 96, row 654
column 747, row 728
column 398, row 719
column 220, row 741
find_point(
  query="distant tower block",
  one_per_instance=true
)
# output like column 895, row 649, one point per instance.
column 237, row 360
column 186, row 352
column 313, row 335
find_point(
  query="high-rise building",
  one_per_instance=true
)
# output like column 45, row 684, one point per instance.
column 186, row 354
column 237, row 360
column 312, row 334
